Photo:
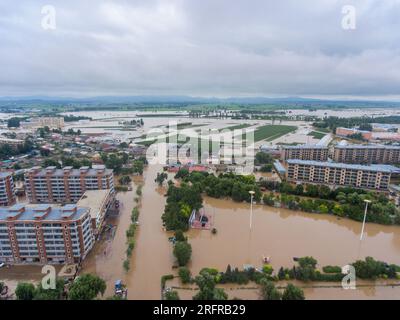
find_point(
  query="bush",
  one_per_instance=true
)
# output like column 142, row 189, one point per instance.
column 165, row 278
column 332, row 269
column 184, row 274
column 172, row 295
column 179, row 236
column 267, row 269
column 127, row 265
column 135, row 214
column 293, row 293
column 25, row 291
column 131, row 231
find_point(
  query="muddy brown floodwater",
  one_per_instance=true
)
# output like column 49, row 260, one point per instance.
column 278, row 233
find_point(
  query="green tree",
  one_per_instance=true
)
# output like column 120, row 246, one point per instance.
column 268, row 290
column 293, row 293
column 25, row 291
column 184, row 274
column 161, row 177
column 182, row 252
column 86, row 287
column 207, row 290
column 124, row 180
column 172, row 295
column 51, row 163
column 138, row 167
column 50, row 294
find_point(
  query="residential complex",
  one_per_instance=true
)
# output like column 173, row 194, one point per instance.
column 339, row 174
column 7, row 189
column 66, row 185
column 367, row 154
column 40, row 122
column 45, row 233
column 305, row 152
column 14, row 143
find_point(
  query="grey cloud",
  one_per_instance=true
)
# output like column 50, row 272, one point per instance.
column 208, row 47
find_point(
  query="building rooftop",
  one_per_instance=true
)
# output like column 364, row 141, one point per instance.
column 279, row 167
column 72, row 172
column 43, row 212
column 373, row 167
column 367, row 146
column 94, row 199
column 5, row 174
column 306, row 146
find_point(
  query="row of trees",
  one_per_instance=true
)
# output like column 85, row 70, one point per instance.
column 67, row 162
column 130, row 233
column 226, row 185
column 85, row 287
column 362, row 122
column 343, row 202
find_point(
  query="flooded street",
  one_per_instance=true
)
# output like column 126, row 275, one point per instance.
column 107, row 256
column 152, row 256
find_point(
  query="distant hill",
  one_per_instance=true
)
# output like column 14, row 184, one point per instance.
column 296, row 101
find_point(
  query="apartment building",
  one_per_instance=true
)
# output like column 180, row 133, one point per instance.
column 305, row 152
column 375, row 177
column 66, row 185
column 14, row 143
column 7, row 189
column 100, row 202
column 45, row 234
column 367, row 154
column 40, row 122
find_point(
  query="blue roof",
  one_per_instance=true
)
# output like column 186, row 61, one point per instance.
column 374, row 167
column 33, row 212
column 5, row 174
column 279, row 166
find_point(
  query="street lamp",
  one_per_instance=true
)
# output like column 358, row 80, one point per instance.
column 365, row 216
column 251, row 207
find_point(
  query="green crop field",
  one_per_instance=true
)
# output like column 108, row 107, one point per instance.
column 271, row 132
column 237, row 127
column 317, row 135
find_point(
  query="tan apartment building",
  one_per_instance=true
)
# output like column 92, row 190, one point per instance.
column 375, row 177
column 66, row 185
column 45, row 234
column 367, row 154
column 40, row 122
column 99, row 202
column 305, row 152
column 15, row 143
column 7, row 189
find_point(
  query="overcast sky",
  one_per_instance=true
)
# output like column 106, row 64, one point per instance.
column 200, row 48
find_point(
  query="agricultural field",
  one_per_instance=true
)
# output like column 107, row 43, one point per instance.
column 317, row 135
column 271, row 132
